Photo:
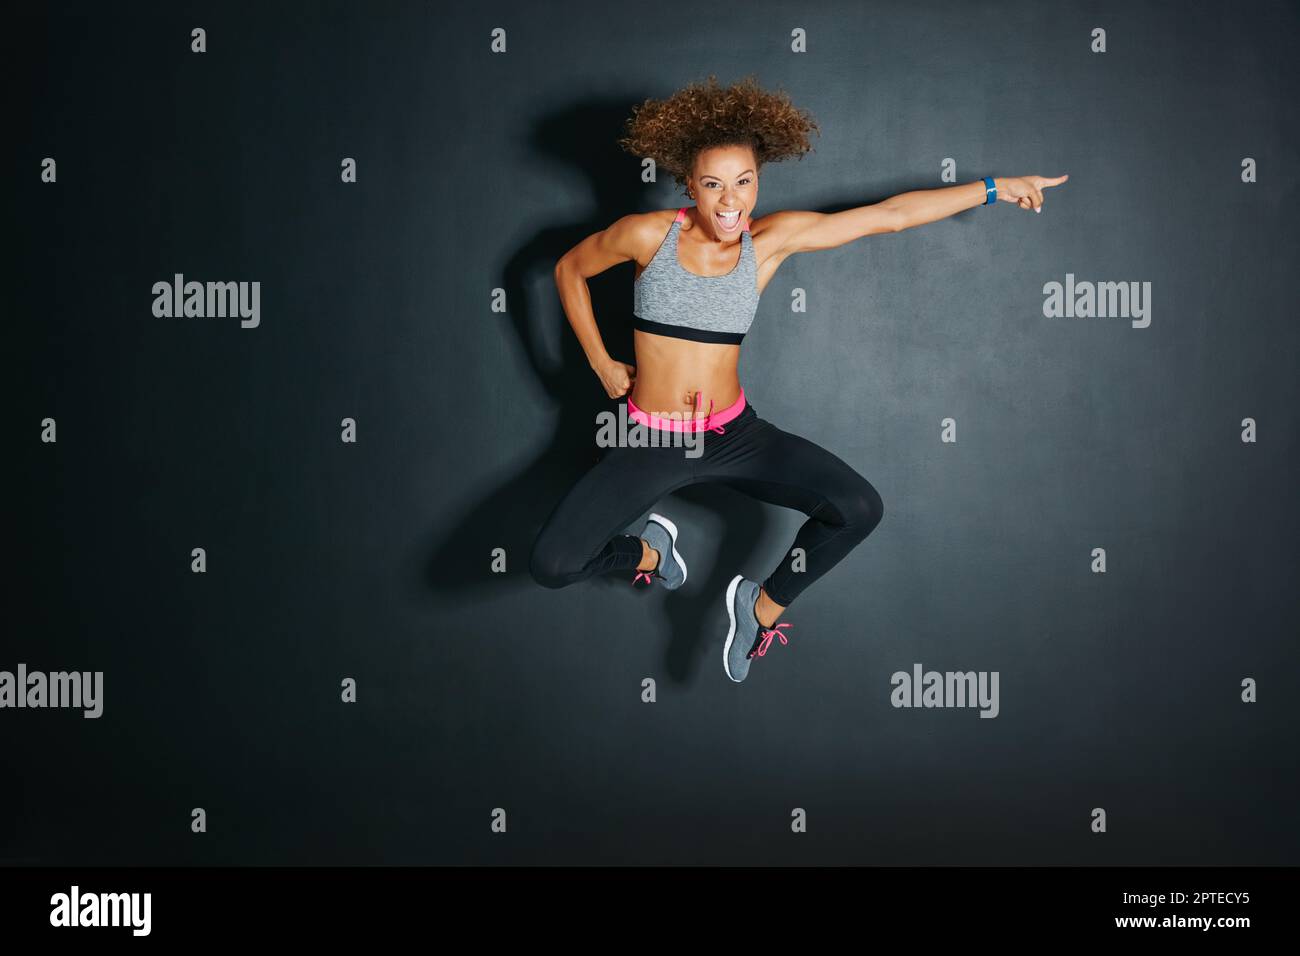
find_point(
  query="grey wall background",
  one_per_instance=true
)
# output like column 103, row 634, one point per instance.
column 476, row 171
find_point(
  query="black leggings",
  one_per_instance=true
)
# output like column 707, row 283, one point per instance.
column 581, row 537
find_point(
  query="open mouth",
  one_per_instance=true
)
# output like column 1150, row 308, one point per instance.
column 727, row 222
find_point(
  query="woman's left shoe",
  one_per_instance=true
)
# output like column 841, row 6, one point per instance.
column 746, row 638
column 661, row 534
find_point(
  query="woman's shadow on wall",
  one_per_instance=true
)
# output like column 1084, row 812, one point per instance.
column 459, row 569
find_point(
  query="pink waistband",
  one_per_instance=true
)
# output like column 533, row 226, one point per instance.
column 711, row 420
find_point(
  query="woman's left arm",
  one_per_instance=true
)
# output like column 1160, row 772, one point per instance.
column 809, row 231
column 929, row 205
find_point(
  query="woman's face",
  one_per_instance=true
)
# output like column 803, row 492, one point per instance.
column 725, row 180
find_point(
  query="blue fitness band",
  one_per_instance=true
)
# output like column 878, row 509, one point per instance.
column 990, row 191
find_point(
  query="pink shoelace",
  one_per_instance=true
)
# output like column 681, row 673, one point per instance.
column 768, row 634
column 643, row 574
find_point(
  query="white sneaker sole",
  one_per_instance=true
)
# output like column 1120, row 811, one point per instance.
column 672, row 533
column 731, row 631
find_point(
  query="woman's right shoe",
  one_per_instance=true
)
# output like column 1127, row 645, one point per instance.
column 661, row 534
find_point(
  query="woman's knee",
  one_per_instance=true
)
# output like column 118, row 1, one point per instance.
column 548, row 564
column 861, row 507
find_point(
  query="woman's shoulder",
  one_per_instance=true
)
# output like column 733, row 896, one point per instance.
column 656, row 220
column 645, row 225
column 771, row 232
column 646, row 231
column 774, row 221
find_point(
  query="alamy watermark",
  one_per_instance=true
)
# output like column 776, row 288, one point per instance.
column 1101, row 300
column 948, row 689
column 212, row 300
column 83, row 689
column 75, row 908
column 619, row 431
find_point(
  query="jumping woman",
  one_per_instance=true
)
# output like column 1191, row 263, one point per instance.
column 699, row 273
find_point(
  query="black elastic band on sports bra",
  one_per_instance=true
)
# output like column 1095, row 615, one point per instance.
column 684, row 332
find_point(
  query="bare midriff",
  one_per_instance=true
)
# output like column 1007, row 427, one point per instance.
column 670, row 372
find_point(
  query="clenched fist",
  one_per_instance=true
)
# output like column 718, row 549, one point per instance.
column 617, row 377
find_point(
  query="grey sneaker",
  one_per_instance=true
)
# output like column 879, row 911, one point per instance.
column 661, row 534
column 746, row 638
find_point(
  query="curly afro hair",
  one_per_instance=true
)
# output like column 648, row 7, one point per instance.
column 701, row 116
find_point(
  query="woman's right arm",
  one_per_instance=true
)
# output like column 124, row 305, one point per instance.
column 594, row 255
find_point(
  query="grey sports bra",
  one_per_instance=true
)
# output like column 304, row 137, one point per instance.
column 668, row 300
